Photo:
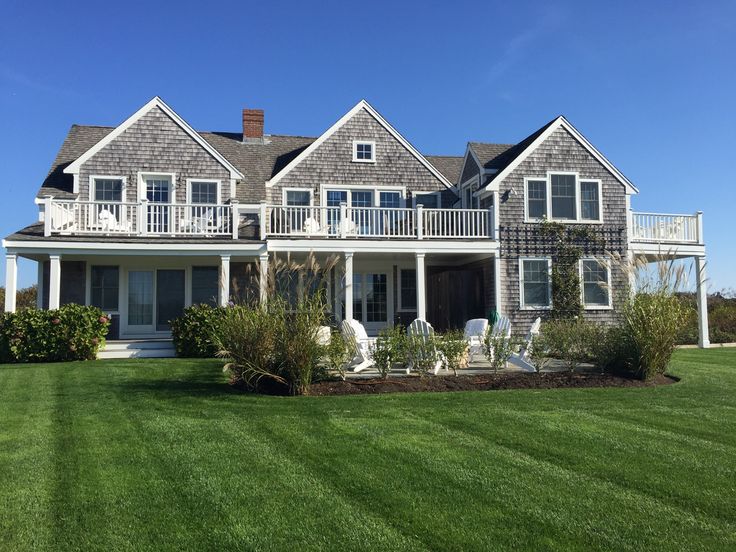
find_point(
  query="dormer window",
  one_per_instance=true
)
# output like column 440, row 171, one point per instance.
column 364, row 151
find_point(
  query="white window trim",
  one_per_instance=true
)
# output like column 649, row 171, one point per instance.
column 399, row 306
column 285, row 190
column 142, row 183
column 578, row 199
column 94, row 177
column 522, row 306
column 208, row 180
column 324, row 188
column 355, row 151
column 609, row 291
column 414, row 196
column 474, row 184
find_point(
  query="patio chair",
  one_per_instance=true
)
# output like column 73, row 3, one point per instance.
column 312, row 227
column 356, row 335
column 324, row 334
column 475, row 331
column 521, row 359
column 424, row 330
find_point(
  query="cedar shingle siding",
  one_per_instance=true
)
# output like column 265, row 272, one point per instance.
column 559, row 152
column 332, row 163
column 470, row 170
column 154, row 143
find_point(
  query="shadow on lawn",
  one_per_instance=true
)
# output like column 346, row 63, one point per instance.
column 173, row 388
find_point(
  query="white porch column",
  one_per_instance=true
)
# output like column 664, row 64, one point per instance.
column 11, row 279
column 349, row 286
column 497, row 282
column 702, row 296
column 263, row 278
column 39, row 285
column 224, row 280
column 421, row 288
column 54, row 281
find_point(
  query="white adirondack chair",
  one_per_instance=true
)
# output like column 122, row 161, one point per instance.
column 502, row 327
column 356, row 335
column 521, row 359
column 475, row 331
column 423, row 329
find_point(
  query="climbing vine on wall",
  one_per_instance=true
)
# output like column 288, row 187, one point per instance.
column 568, row 244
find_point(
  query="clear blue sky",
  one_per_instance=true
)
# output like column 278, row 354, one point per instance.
column 651, row 84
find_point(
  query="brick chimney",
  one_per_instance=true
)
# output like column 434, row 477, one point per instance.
column 252, row 125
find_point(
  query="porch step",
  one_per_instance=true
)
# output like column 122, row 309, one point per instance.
column 138, row 348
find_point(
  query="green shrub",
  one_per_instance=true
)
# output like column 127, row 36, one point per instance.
column 279, row 341
column 389, row 349
column 73, row 332
column 337, row 355
column 194, row 331
column 421, row 353
column 571, row 340
column 454, row 350
column 652, row 322
column 498, row 349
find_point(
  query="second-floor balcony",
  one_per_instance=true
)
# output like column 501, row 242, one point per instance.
column 146, row 218
column 376, row 222
column 660, row 228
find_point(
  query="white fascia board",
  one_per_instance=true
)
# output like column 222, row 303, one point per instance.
column 97, row 248
column 74, row 167
column 388, row 246
column 564, row 123
column 362, row 104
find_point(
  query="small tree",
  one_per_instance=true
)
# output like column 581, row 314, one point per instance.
column 338, row 354
column 498, row 349
column 388, row 349
column 422, row 353
column 454, row 349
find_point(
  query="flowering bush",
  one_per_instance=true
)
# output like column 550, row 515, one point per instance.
column 73, row 332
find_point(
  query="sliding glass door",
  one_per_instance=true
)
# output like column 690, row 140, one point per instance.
column 155, row 297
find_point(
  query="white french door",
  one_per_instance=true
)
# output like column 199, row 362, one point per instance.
column 372, row 300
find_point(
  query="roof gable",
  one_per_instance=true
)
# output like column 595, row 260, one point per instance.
column 514, row 156
column 361, row 105
column 156, row 102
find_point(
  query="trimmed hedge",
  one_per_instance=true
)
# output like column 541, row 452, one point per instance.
column 73, row 332
column 194, row 331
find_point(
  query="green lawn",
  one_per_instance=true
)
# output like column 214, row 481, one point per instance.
column 150, row 455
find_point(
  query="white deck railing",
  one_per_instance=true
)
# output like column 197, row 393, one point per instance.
column 72, row 217
column 665, row 228
column 375, row 222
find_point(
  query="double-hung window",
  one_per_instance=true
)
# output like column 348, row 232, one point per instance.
column 535, row 292
column 563, row 197
column 595, row 279
column 205, row 285
column 107, row 190
column 301, row 199
column 204, row 197
column 429, row 200
column 408, row 289
column 590, row 197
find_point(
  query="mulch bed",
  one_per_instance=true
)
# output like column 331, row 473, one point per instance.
column 547, row 380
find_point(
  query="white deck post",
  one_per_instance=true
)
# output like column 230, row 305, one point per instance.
column 54, row 281
column 224, row 280
column 421, row 288
column 419, row 214
column 263, row 278
column 47, row 218
column 262, row 219
column 235, row 217
column 343, row 227
column 702, row 296
column 348, row 286
column 11, row 279
column 39, row 285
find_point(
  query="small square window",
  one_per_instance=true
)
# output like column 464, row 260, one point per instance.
column 108, row 189
column 204, row 192
column 364, row 151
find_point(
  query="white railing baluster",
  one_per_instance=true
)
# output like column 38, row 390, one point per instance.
column 667, row 228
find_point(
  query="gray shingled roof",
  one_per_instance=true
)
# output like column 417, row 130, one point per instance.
column 489, row 154
column 257, row 161
column 449, row 165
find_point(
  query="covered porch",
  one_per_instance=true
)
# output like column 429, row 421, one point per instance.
column 141, row 288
